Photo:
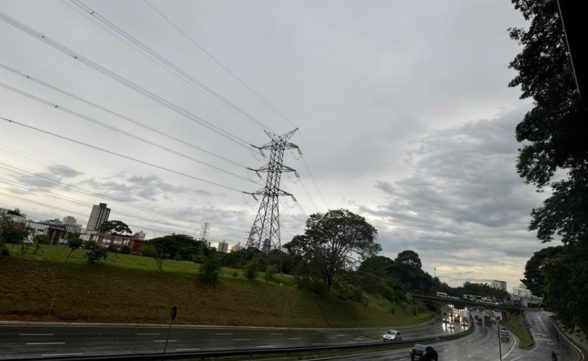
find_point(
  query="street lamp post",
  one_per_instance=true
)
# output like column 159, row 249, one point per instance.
column 499, row 338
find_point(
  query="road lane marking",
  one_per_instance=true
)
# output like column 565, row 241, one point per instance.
column 317, row 343
column 164, row 340
column 264, row 346
column 241, row 339
column 224, row 334
column 61, row 354
column 35, row 334
column 148, row 334
column 44, row 343
column 294, row 338
column 188, row 349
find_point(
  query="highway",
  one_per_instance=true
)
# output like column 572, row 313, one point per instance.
column 482, row 345
column 22, row 341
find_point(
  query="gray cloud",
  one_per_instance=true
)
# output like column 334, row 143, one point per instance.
column 63, row 171
column 462, row 202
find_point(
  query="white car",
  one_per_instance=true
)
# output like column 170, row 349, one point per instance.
column 392, row 336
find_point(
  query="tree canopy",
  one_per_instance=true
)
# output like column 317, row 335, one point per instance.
column 115, row 227
column 333, row 242
column 554, row 154
column 555, row 130
column 410, row 258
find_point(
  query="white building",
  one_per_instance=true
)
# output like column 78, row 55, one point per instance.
column 14, row 216
column 98, row 216
column 223, row 247
column 236, row 247
column 499, row 285
column 521, row 291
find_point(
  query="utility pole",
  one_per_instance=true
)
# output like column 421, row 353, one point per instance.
column 204, row 233
column 265, row 232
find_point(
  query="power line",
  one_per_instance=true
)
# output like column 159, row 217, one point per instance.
column 121, row 155
column 218, row 62
column 171, row 66
column 86, row 192
column 69, row 211
column 105, row 71
column 244, row 84
column 114, row 129
column 142, row 125
column 60, row 197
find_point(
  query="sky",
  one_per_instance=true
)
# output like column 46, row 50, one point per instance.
column 403, row 111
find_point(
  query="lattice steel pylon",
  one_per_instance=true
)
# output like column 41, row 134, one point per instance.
column 265, row 232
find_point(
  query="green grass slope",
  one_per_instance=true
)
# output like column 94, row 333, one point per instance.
column 131, row 289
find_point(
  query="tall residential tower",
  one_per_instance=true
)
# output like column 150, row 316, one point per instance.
column 98, row 216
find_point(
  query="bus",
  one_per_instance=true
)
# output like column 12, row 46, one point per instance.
column 441, row 294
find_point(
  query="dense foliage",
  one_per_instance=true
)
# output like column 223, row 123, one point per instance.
column 333, row 242
column 554, row 153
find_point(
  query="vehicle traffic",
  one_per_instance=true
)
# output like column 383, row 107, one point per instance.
column 422, row 352
column 392, row 336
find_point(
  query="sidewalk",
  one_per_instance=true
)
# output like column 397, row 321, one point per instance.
column 577, row 336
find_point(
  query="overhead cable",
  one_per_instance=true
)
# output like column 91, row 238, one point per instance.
column 86, row 192
column 104, row 109
column 159, row 59
column 114, row 129
column 11, row 121
column 88, row 62
column 244, row 84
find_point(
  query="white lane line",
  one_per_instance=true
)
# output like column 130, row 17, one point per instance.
column 317, row 343
column 224, row 334
column 35, row 334
column 513, row 346
column 188, row 349
column 264, row 346
column 241, row 339
column 44, row 343
column 148, row 334
column 164, row 340
column 61, row 354
column 294, row 338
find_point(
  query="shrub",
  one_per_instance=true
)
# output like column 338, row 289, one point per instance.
column 209, row 271
column 270, row 273
column 252, row 269
column 95, row 253
column 125, row 250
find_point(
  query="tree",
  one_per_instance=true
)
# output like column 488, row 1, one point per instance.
column 115, row 227
column 566, row 286
column 554, row 132
column 410, row 258
column 536, row 267
column 209, row 271
column 333, row 242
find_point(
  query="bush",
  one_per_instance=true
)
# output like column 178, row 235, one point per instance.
column 125, row 250
column 252, row 269
column 95, row 253
column 270, row 273
column 348, row 292
column 112, row 248
column 209, row 271
column 197, row 258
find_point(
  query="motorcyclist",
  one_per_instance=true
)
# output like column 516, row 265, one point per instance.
column 430, row 355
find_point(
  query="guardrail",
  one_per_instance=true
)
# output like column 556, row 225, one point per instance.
column 257, row 351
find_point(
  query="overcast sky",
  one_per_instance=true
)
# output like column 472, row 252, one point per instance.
column 403, row 108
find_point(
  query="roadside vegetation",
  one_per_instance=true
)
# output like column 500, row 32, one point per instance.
column 132, row 289
column 516, row 326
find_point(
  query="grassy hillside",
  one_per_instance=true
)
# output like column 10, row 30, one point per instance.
column 131, row 289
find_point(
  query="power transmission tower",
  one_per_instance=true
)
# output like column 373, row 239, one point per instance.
column 204, row 233
column 265, row 232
